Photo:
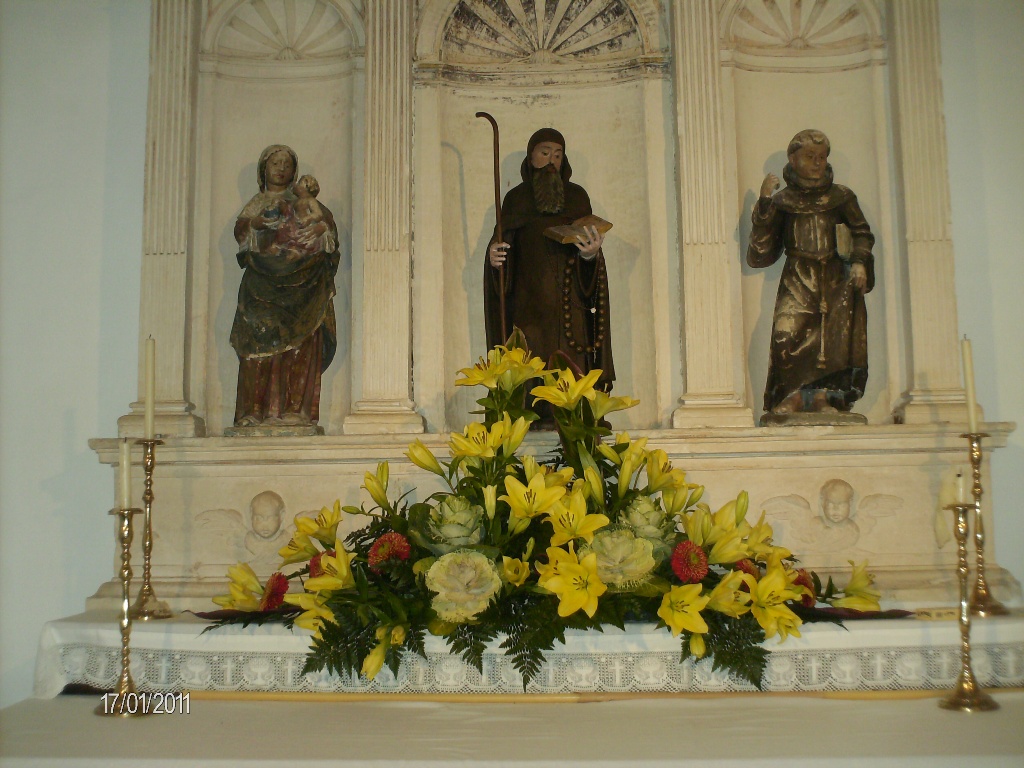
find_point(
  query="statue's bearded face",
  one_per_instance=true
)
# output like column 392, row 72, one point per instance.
column 548, row 190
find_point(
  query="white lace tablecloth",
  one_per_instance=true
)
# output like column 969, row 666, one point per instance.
column 901, row 654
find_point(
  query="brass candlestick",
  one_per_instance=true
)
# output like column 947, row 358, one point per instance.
column 982, row 602
column 968, row 695
column 146, row 605
column 125, row 686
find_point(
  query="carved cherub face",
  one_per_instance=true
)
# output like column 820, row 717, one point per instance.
column 280, row 170
column 547, row 153
column 810, row 161
column 266, row 511
column 836, row 501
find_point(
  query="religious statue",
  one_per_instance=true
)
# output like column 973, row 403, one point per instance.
column 284, row 330
column 819, row 352
column 556, row 293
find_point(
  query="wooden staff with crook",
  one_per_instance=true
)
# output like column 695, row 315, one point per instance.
column 497, row 215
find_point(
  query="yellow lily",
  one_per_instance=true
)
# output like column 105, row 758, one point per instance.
column 697, row 525
column 514, row 434
column 563, row 391
column 571, row 521
column 299, row 549
column 858, row 594
column 603, row 404
column 577, row 584
column 337, row 571
column 485, row 372
column 314, row 614
column 527, row 501
column 518, row 368
column 476, row 440
column 323, row 528
column 514, row 571
column 244, row 589
column 376, row 489
column 660, row 474
column 680, row 609
column 768, row 597
column 374, row 661
column 422, row 457
column 759, row 540
column 728, row 548
column 728, row 596
column 556, row 556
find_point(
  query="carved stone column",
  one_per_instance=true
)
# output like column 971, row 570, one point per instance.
column 385, row 402
column 712, row 320
column 934, row 392
column 163, row 314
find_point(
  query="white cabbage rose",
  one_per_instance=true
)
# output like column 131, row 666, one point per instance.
column 465, row 582
column 645, row 517
column 623, row 558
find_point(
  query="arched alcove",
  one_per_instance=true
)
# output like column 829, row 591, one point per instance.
column 272, row 71
column 596, row 71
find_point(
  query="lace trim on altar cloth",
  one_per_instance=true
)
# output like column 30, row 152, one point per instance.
column 870, row 669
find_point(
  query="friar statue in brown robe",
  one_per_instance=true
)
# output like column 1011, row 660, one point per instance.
column 819, row 350
column 284, row 330
column 557, row 294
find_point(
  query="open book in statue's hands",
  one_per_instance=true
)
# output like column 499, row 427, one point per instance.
column 576, row 232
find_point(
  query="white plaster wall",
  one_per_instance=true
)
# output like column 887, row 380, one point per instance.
column 983, row 86
column 72, row 138
column 72, row 129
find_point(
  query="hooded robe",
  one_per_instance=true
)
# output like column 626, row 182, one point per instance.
column 819, row 333
column 555, row 296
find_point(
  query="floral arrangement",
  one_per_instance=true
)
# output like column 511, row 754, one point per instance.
column 603, row 532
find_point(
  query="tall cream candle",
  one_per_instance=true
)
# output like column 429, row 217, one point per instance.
column 972, row 416
column 126, row 474
column 961, row 488
column 150, row 386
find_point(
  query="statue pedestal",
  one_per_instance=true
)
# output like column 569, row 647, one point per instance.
column 810, row 419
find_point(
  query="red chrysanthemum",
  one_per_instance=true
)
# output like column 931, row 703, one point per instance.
column 273, row 593
column 803, row 579
column 749, row 567
column 390, row 546
column 689, row 562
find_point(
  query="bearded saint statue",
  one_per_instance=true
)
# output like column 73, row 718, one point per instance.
column 556, row 294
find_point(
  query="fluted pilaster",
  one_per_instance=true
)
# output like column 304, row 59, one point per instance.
column 385, row 403
column 174, row 31
column 934, row 389
column 712, row 342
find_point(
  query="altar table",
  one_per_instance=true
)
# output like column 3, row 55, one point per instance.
column 875, row 655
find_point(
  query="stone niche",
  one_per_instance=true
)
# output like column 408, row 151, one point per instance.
column 673, row 112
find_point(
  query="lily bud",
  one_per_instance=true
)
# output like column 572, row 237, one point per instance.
column 490, row 500
column 695, row 495
column 376, row 490
column 516, row 434
column 595, row 485
column 742, row 502
column 382, row 474
column 421, row 456
column 374, row 661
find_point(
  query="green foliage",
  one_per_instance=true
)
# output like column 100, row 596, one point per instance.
column 735, row 645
